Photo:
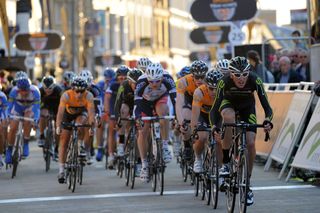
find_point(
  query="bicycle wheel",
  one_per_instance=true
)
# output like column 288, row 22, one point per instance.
column 47, row 149
column 231, row 190
column 74, row 167
column 80, row 173
column 243, row 181
column 16, row 156
column 196, row 183
column 214, row 178
column 202, row 186
column 161, row 168
column 184, row 170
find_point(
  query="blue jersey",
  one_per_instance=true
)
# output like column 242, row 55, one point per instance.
column 3, row 105
column 18, row 103
column 113, row 90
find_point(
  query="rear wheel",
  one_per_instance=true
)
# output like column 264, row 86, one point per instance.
column 196, row 183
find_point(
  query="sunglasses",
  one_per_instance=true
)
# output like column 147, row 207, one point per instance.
column 198, row 77
column 238, row 75
column 154, row 81
column 122, row 78
column 79, row 91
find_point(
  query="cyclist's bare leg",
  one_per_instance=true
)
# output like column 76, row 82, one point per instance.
column 2, row 136
column 162, row 109
column 142, row 142
column 186, row 113
column 63, row 145
column 12, row 132
column 124, row 112
column 199, row 144
column 27, row 125
column 43, row 120
column 228, row 115
column 251, row 137
column 111, row 137
column 99, row 134
column 83, row 133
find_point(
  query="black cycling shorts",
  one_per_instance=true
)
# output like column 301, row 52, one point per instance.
column 68, row 118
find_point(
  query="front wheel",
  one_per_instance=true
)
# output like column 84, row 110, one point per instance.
column 243, row 181
column 214, row 178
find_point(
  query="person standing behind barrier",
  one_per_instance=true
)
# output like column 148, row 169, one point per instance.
column 286, row 74
column 303, row 68
column 259, row 68
column 298, row 43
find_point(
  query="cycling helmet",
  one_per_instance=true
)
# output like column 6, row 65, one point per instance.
column 87, row 75
column 239, row 64
column 109, row 73
column 199, row 68
column 23, row 83
column 122, row 70
column 68, row 76
column 21, row 74
column 134, row 74
column 48, row 82
column 212, row 77
column 143, row 63
column 183, row 72
column 79, row 83
column 154, row 71
column 223, row 65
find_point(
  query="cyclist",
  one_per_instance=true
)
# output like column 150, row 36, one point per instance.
column 176, row 133
column 202, row 102
column 97, row 94
column 24, row 100
column 67, row 78
column 76, row 104
column 185, row 89
column 235, row 94
column 223, row 66
column 151, row 95
column 124, row 104
column 50, row 98
column 3, row 123
column 143, row 63
column 109, row 76
column 110, row 99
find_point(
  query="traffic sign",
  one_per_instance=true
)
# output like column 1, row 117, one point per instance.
column 29, row 62
column 236, row 36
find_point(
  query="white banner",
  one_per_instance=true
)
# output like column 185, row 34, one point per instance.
column 308, row 154
column 291, row 127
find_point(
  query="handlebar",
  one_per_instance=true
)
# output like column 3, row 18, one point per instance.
column 20, row 118
column 75, row 125
column 150, row 118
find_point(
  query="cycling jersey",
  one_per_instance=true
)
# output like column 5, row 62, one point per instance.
column 113, row 90
column 204, row 100
column 145, row 95
column 64, row 87
column 3, row 105
column 187, row 88
column 241, row 99
column 97, row 94
column 51, row 102
column 76, row 106
column 125, row 96
column 18, row 103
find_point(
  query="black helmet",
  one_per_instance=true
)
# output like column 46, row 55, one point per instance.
column 239, row 64
column 48, row 82
column 79, row 83
column 122, row 70
column 199, row 68
column 212, row 77
column 134, row 74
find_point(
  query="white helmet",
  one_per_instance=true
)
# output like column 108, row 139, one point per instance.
column 223, row 65
column 154, row 71
column 86, row 75
column 143, row 63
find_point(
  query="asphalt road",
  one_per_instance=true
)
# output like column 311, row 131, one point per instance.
column 34, row 190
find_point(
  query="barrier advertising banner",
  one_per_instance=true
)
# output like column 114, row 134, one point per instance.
column 210, row 11
column 291, row 129
column 308, row 154
column 280, row 102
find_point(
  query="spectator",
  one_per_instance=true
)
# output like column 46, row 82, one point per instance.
column 303, row 68
column 286, row 74
column 316, row 88
column 298, row 43
column 259, row 68
column 294, row 57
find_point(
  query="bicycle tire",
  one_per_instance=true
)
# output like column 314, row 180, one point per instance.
column 202, row 186
column 161, row 168
column 206, row 178
column 80, row 173
column 74, row 167
column 243, row 180
column 196, row 183
column 184, row 170
column 16, row 156
column 47, row 149
column 214, row 178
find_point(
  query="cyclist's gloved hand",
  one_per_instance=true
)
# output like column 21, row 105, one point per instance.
column 139, row 123
column 216, row 133
column 58, row 130
column 91, row 131
column 185, row 126
column 267, row 125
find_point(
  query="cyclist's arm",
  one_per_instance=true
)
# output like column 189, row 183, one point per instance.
column 11, row 100
column 36, row 105
column 90, row 108
column 4, row 104
column 180, row 99
column 118, row 103
column 171, row 87
column 215, row 113
column 196, row 108
column 107, row 98
column 61, row 109
column 141, row 85
column 263, row 97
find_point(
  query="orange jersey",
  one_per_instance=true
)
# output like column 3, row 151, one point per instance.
column 74, row 105
column 202, row 99
column 188, row 85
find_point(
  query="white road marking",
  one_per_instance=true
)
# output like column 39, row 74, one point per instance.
column 135, row 194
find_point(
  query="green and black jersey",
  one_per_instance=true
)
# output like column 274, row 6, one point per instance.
column 240, row 99
column 125, row 95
